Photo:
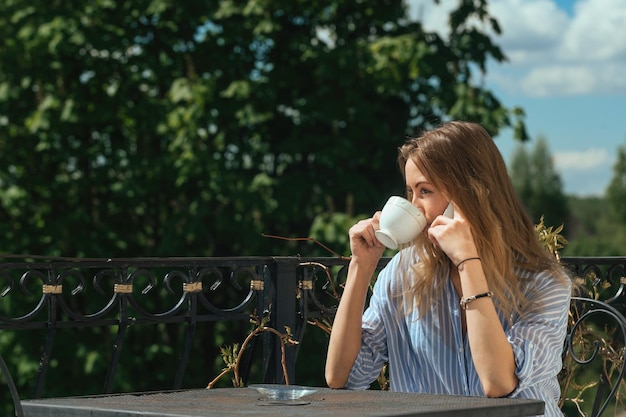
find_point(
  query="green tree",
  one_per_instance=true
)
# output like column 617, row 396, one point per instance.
column 616, row 192
column 539, row 185
column 150, row 128
column 599, row 223
column 594, row 229
column 521, row 173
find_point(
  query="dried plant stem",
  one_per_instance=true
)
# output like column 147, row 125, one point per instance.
column 329, row 276
column 284, row 339
column 321, row 325
column 245, row 344
column 310, row 239
column 217, row 378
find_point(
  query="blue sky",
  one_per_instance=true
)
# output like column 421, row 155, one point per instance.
column 567, row 69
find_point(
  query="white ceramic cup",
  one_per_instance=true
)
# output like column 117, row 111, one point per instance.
column 400, row 222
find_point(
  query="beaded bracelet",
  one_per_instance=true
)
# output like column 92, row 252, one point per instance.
column 465, row 301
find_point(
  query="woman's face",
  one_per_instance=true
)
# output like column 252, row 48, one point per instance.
column 422, row 194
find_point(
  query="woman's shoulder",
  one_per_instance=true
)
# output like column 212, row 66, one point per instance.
column 554, row 280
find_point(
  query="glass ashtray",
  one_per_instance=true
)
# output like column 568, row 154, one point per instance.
column 283, row 392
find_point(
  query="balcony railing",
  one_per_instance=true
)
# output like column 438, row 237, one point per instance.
column 292, row 292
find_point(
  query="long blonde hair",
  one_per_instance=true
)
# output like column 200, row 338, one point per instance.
column 462, row 159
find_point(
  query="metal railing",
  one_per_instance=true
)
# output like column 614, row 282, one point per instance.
column 294, row 292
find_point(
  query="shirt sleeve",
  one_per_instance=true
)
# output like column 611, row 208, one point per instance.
column 373, row 354
column 537, row 338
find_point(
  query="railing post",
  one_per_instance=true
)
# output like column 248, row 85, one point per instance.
column 284, row 287
column 12, row 388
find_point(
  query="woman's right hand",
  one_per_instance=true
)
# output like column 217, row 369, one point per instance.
column 364, row 245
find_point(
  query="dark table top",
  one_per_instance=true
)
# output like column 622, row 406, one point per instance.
column 232, row 402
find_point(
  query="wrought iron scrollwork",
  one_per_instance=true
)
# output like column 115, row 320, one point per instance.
column 595, row 345
column 61, row 294
column 603, row 278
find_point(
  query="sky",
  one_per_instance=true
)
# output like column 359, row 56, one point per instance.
column 567, row 69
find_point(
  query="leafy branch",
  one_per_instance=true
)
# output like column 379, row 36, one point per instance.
column 551, row 239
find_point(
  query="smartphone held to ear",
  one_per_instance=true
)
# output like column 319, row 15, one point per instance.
column 401, row 222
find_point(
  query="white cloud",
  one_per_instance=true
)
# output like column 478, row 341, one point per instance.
column 597, row 32
column 557, row 80
column 554, row 54
column 531, row 29
column 551, row 53
column 584, row 173
column 574, row 79
column 589, row 159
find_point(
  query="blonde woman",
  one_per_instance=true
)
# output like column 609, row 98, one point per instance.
column 475, row 305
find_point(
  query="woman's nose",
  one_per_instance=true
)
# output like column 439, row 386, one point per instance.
column 416, row 204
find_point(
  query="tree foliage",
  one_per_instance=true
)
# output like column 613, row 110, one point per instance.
column 158, row 128
column 539, row 185
column 616, row 192
column 598, row 224
column 593, row 229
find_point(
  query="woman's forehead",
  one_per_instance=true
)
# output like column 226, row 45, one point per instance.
column 413, row 173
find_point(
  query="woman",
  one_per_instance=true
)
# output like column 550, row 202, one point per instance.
column 475, row 306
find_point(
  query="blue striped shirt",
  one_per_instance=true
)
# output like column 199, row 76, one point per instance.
column 430, row 354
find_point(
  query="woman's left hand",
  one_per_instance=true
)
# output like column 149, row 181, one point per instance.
column 454, row 236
